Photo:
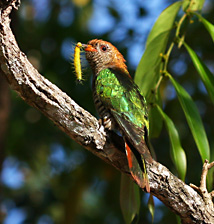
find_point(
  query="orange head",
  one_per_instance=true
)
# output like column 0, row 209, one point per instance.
column 102, row 54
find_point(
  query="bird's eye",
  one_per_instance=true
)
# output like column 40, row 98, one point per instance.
column 103, row 48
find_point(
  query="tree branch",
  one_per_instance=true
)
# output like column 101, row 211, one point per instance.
column 81, row 126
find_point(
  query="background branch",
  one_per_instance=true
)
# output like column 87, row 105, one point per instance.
column 81, row 126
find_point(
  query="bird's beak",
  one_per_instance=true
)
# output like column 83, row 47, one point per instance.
column 88, row 47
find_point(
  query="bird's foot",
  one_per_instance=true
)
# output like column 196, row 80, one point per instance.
column 106, row 121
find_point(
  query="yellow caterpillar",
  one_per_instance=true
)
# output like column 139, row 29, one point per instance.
column 77, row 62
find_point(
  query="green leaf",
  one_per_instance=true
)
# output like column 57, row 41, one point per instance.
column 210, row 177
column 155, row 123
column 129, row 199
column 206, row 76
column 177, row 152
column 164, row 22
column 193, row 119
column 209, row 26
column 193, row 5
column 151, row 206
column 155, row 119
column 148, row 70
column 147, row 73
column 178, row 219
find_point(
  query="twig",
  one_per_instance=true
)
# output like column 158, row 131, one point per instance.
column 207, row 197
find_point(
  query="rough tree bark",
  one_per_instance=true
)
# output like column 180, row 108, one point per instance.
column 81, row 126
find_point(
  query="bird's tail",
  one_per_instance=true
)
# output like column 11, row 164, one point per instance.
column 137, row 167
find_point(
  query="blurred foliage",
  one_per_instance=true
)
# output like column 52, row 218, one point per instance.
column 47, row 177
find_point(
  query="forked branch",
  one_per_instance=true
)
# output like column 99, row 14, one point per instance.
column 203, row 188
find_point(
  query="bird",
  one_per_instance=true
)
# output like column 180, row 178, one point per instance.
column 120, row 105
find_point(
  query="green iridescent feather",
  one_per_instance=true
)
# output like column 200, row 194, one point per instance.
column 119, row 93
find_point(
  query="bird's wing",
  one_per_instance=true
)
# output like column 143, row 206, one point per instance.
column 122, row 98
column 132, row 134
column 136, row 150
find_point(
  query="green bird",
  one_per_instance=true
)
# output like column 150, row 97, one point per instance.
column 120, row 105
